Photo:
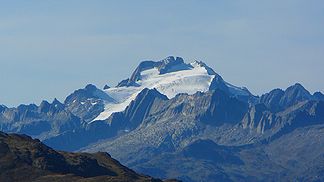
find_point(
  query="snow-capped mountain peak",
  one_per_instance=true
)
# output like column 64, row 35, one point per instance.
column 209, row 70
column 169, row 76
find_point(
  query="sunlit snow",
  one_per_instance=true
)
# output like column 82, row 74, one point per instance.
column 170, row 84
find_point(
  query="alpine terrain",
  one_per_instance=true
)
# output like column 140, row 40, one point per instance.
column 173, row 119
column 25, row 159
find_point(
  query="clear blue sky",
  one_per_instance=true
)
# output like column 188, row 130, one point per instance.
column 51, row 48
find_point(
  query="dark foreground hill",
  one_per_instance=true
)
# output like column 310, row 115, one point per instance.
column 25, row 159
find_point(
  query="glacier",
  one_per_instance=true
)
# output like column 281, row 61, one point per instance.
column 179, row 77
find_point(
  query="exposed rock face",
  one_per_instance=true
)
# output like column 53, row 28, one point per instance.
column 25, row 159
column 242, row 94
column 277, row 99
column 44, row 121
column 294, row 94
column 139, row 109
column 87, row 103
column 302, row 114
column 215, row 108
column 164, row 66
column 106, row 87
column 259, row 118
column 218, row 83
column 318, row 96
column 272, row 99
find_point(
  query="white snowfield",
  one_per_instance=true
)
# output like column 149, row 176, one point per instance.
column 170, row 84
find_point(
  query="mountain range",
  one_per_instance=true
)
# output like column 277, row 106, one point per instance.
column 173, row 119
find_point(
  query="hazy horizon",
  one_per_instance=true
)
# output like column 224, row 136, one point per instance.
column 49, row 49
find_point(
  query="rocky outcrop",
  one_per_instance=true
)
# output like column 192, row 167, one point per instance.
column 261, row 119
column 25, row 159
column 44, row 121
column 318, row 96
column 277, row 100
column 87, row 103
column 164, row 66
column 219, row 83
column 258, row 118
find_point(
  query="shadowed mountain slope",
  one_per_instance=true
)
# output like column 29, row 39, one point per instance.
column 25, row 159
